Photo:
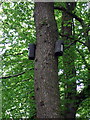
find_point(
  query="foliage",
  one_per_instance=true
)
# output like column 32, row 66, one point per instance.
column 18, row 32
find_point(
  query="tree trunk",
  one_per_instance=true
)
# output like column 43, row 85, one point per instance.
column 69, row 68
column 46, row 64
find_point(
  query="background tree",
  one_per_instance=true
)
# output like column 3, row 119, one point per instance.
column 69, row 67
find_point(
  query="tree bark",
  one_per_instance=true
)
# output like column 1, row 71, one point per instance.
column 46, row 64
column 69, row 67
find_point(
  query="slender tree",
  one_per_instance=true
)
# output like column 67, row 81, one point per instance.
column 69, row 67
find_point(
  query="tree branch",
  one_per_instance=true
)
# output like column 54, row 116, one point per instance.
column 78, row 40
column 71, row 14
column 27, row 79
column 15, row 75
column 74, row 43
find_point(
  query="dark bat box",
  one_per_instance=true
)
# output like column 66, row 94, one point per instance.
column 59, row 48
column 31, row 51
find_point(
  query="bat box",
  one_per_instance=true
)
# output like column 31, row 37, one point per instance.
column 31, row 51
column 59, row 48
